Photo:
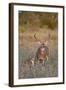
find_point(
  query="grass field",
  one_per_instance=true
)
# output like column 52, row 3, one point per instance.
column 28, row 47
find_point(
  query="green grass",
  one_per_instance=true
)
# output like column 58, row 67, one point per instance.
column 50, row 69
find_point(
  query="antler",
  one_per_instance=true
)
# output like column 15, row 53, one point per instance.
column 36, row 37
column 39, row 42
column 47, row 40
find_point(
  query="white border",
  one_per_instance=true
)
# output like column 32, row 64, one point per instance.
column 60, row 45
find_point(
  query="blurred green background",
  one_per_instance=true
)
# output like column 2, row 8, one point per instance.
column 34, row 20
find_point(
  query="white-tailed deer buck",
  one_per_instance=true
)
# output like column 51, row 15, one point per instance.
column 42, row 53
